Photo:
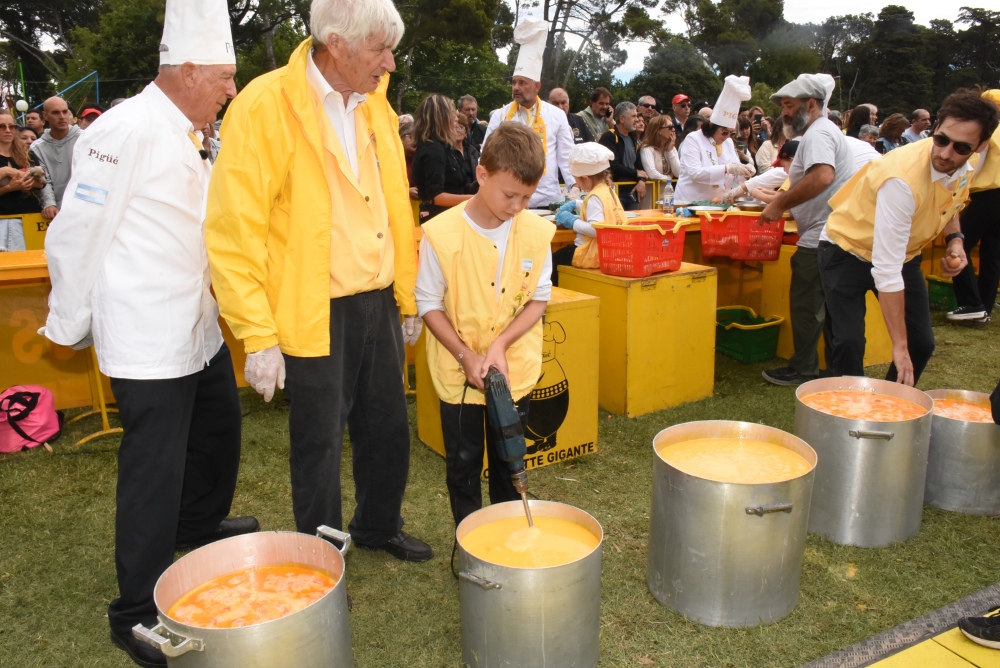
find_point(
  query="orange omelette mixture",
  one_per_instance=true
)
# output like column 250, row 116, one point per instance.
column 959, row 409
column 863, row 405
column 252, row 596
column 735, row 460
column 511, row 542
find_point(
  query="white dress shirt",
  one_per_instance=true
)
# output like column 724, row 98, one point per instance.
column 126, row 253
column 341, row 116
column 559, row 142
column 703, row 171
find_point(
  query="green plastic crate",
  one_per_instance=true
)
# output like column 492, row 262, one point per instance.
column 745, row 336
column 941, row 293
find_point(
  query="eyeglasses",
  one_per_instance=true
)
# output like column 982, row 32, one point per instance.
column 942, row 141
column 4, row 126
column 726, row 133
column 647, row 105
column 683, row 104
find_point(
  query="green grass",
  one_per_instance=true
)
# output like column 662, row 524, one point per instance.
column 57, row 565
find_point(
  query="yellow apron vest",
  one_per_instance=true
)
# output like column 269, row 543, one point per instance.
column 587, row 255
column 988, row 175
column 852, row 223
column 469, row 263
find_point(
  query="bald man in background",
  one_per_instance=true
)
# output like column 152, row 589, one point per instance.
column 54, row 152
column 558, row 97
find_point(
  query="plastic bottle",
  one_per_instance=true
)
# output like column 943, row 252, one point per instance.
column 667, row 197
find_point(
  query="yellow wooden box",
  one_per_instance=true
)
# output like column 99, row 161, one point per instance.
column 657, row 336
column 562, row 417
column 777, row 277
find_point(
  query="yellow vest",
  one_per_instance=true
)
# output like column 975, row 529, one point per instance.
column 852, row 223
column 587, row 255
column 469, row 263
column 988, row 176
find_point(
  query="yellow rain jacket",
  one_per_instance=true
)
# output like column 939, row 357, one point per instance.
column 272, row 226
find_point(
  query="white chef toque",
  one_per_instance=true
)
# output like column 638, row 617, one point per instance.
column 589, row 158
column 530, row 34
column 726, row 111
column 198, row 32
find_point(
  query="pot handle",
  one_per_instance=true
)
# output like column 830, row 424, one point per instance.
column 324, row 531
column 478, row 581
column 760, row 511
column 165, row 642
column 874, row 435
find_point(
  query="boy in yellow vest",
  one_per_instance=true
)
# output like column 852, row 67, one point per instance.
column 482, row 287
column 882, row 218
column 590, row 164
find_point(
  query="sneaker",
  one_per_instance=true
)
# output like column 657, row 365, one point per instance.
column 785, row 376
column 984, row 630
column 967, row 313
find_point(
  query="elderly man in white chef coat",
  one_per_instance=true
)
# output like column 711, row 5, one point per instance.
column 546, row 120
column 129, row 269
column 710, row 166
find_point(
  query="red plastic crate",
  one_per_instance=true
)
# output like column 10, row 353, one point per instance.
column 640, row 248
column 740, row 236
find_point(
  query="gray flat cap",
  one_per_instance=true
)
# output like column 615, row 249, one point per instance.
column 806, row 86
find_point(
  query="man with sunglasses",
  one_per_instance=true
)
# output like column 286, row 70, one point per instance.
column 682, row 109
column 881, row 220
column 647, row 107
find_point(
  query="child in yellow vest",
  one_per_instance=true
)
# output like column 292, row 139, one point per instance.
column 482, row 288
column 590, row 165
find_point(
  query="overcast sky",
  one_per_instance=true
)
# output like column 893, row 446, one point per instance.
column 812, row 11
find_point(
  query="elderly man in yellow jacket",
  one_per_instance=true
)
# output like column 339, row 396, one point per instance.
column 882, row 218
column 310, row 240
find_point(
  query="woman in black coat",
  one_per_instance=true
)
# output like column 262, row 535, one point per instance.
column 439, row 172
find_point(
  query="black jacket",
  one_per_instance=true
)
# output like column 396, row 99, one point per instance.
column 620, row 171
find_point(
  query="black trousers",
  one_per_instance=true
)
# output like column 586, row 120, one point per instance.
column 981, row 225
column 807, row 308
column 359, row 385
column 846, row 281
column 464, row 428
column 562, row 258
column 177, row 468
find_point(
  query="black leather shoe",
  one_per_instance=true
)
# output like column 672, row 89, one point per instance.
column 404, row 547
column 229, row 527
column 143, row 654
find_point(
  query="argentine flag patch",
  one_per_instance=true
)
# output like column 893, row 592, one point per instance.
column 91, row 194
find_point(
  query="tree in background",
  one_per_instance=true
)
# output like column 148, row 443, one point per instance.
column 674, row 66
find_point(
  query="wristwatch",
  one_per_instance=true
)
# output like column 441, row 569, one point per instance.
column 954, row 235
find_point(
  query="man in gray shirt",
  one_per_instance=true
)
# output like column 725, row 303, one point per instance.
column 54, row 152
column 822, row 164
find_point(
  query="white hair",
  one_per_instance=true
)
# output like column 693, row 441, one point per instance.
column 354, row 21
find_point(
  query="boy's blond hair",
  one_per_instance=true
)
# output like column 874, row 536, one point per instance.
column 515, row 148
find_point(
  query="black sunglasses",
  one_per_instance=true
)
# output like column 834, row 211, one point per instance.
column 647, row 105
column 960, row 147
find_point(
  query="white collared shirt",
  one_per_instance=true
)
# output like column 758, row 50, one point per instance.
column 894, row 209
column 126, row 253
column 341, row 116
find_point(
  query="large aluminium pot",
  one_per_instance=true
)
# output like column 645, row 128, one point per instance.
column 963, row 470
column 869, row 489
column 727, row 554
column 318, row 636
column 530, row 617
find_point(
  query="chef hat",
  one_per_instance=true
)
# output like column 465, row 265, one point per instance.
column 197, row 31
column 726, row 111
column 530, row 34
column 589, row 158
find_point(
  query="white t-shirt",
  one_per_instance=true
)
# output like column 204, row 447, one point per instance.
column 431, row 286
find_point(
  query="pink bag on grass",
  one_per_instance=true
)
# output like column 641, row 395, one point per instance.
column 28, row 418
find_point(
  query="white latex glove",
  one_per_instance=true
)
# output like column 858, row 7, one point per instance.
column 82, row 344
column 749, row 170
column 731, row 196
column 411, row 329
column 264, row 370
column 734, row 168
